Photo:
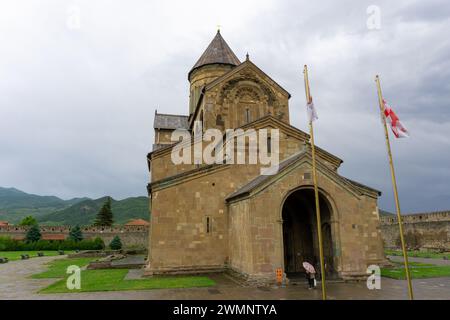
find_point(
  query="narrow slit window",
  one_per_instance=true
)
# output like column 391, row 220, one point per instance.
column 208, row 224
column 269, row 145
column 247, row 115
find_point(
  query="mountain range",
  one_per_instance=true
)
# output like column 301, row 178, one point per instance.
column 50, row 210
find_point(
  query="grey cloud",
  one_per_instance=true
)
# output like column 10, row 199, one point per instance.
column 76, row 106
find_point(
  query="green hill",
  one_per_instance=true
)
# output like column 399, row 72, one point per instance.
column 11, row 198
column 84, row 212
column 16, row 204
column 51, row 210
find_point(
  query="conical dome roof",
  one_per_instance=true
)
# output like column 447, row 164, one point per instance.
column 218, row 51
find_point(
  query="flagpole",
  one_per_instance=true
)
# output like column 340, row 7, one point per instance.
column 394, row 184
column 316, row 190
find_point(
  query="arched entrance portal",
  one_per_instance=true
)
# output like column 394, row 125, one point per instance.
column 300, row 239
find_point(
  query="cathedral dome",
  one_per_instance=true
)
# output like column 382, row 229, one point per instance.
column 218, row 52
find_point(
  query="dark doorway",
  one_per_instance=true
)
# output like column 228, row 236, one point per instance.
column 300, row 233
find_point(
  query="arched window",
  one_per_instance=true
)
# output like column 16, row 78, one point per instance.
column 219, row 120
column 247, row 115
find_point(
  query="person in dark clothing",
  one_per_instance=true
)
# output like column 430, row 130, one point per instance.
column 311, row 279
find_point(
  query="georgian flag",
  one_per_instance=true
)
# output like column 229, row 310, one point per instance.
column 311, row 111
column 397, row 127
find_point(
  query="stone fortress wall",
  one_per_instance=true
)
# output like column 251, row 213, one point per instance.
column 422, row 230
column 131, row 236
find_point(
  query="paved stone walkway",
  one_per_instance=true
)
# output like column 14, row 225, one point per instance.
column 437, row 262
column 14, row 278
column 16, row 284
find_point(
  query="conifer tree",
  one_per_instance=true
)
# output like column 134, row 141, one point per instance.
column 105, row 215
column 116, row 243
column 75, row 234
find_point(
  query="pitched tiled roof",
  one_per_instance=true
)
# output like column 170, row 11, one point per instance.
column 362, row 186
column 53, row 236
column 262, row 178
column 218, row 51
column 259, row 180
column 137, row 222
column 170, row 121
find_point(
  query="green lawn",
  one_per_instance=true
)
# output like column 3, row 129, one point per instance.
column 57, row 268
column 419, row 254
column 417, row 272
column 112, row 279
column 15, row 255
column 413, row 264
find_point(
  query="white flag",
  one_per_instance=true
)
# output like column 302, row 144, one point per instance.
column 397, row 127
column 311, row 110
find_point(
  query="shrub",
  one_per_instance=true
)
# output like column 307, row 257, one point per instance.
column 33, row 234
column 99, row 244
column 68, row 244
column 8, row 244
column 116, row 244
column 76, row 234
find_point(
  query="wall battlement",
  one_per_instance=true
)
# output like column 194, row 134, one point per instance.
column 428, row 230
column 417, row 217
column 130, row 235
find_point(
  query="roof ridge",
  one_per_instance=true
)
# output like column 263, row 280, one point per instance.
column 171, row 114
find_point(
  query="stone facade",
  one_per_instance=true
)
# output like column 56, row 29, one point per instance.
column 356, row 237
column 421, row 230
column 215, row 217
column 131, row 236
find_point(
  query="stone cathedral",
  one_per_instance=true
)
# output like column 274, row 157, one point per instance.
column 230, row 217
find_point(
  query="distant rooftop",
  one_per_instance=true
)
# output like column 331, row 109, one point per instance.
column 170, row 121
column 53, row 236
column 137, row 222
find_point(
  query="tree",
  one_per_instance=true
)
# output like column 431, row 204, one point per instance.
column 104, row 216
column 28, row 221
column 116, row 244
column 33, row 234
column 99, row 244
column 75, row 234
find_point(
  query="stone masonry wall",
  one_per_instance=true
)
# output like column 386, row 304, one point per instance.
column 131, row 236
column 354, row 222
column 421, row 230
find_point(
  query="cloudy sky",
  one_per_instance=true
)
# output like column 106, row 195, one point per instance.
column 80, row 82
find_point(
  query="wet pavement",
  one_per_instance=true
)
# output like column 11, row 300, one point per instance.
column 437, row 262
column 14, row 277
column 16, row 284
